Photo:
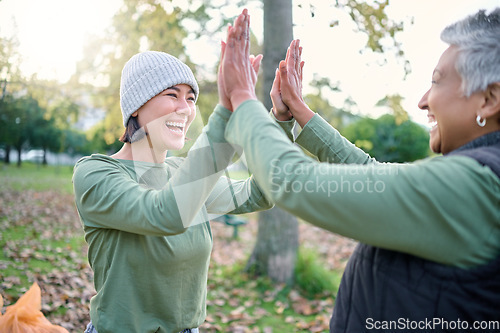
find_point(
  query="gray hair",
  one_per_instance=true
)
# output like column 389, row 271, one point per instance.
column 478, row 41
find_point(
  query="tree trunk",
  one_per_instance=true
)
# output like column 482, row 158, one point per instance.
column 7, row 154
column 44, row 158
column 278, row 33
column 19, row 156
column 275, row 252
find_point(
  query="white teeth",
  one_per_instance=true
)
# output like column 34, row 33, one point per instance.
column 174, row 124
column 175, row 127
column 431, row 120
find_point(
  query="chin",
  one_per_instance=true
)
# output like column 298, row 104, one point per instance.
column 434, row 149
column 176, row 146
column 435, row 142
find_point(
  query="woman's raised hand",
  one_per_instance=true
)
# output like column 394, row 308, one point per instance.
column 221, row 86
column 280, row 109
column 290, row 71
column 290, row 84
column 238, row 70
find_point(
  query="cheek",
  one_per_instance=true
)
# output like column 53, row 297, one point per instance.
column 191, row 116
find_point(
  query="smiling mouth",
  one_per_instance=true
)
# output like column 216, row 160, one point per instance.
column 432, row 121
column 175, row 127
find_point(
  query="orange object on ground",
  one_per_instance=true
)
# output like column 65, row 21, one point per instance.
column 25, row 316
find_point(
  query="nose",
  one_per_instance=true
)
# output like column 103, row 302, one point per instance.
column 423, row 104
column 184, row 108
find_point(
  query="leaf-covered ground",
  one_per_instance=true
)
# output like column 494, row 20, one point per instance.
column 41, row 240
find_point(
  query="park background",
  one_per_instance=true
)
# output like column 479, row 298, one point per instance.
column 367, row 65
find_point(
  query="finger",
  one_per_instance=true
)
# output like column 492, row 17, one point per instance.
column 291, row 56
column 238, row 19
column 287, row 57
column 278, row 79
column 256, row 63
column 222, row 50
column 236, row 26
column 240, row 23
column 297, row 55
column 230, row 35
column 283, row 72
column 276, row 84
column 301, row 69
column 246, row 33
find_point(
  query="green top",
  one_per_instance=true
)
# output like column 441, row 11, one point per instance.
column 444, row 209
column 148, row 232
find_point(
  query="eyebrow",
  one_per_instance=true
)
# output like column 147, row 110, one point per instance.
column 178, row 90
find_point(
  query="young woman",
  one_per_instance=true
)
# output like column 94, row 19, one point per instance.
column 146, row 216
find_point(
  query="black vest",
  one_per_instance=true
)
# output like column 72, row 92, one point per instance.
column 389, row 291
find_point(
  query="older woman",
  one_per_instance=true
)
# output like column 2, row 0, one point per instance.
column 146, row 216
column 429, row 232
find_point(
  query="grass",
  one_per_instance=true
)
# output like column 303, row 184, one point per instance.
column 312, row 277
column 35, row 244
column 40, row 237
column 266, row 305
column 31, row 176
column 26, row 255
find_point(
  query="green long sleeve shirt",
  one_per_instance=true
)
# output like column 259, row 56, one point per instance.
column 148, row 232
column 444, row 209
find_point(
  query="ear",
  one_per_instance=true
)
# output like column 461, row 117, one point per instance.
column 491, row 106
column 134, row 114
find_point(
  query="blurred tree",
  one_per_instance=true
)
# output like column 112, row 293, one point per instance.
column 10, row 60
column 372, row 20
column 337, row 117
column 61, row 111
column 96, row 141
column 7, row 124
column 35, row 109
column 77, row 143
column 24, row 113
column 9, row 72
column 393, row 102
column 388, row 141
column 43, row 133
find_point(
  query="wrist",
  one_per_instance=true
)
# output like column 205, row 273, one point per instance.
column 282, row 116
column 302, row 114
column 226, row 104
column 240, row 96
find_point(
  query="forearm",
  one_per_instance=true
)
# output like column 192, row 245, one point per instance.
column 400, row 207
column 237, row 197
column 325, row 142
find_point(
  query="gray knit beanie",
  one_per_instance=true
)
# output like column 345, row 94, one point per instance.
column 146, row 75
